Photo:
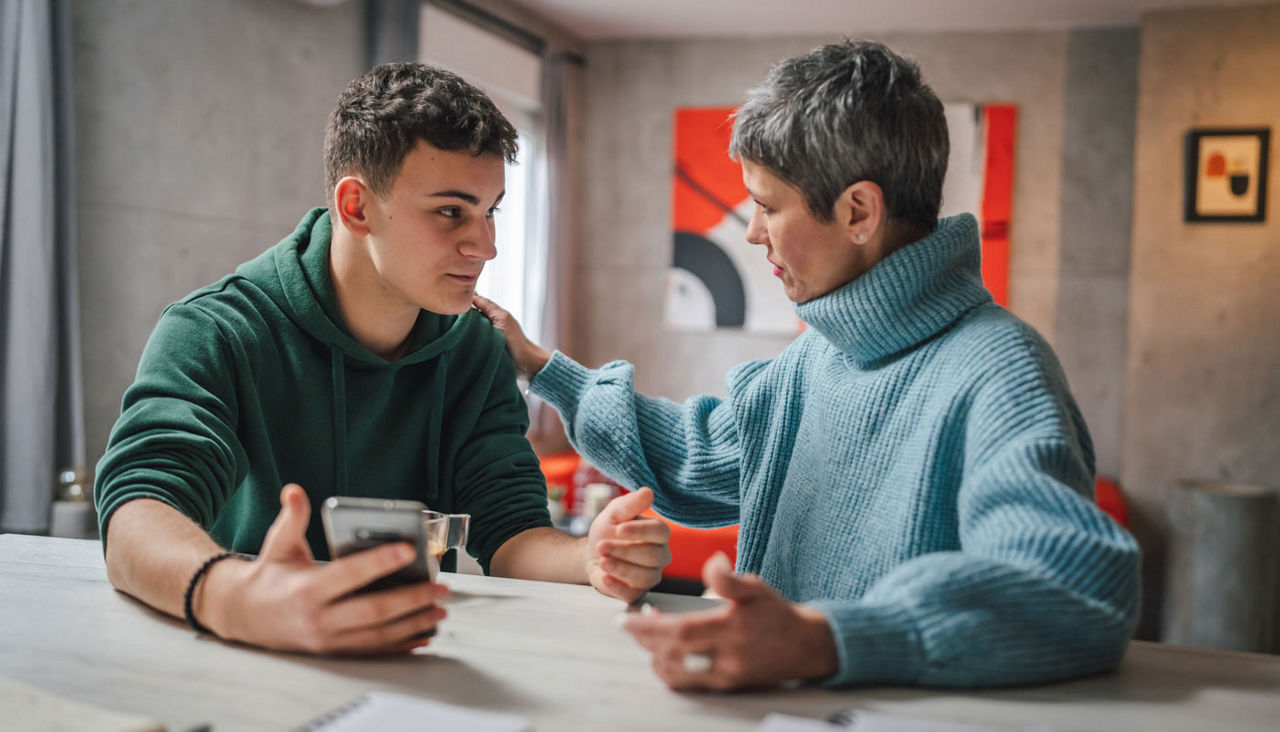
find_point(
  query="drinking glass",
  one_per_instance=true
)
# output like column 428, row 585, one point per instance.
column 445, row 531
column 435, row 526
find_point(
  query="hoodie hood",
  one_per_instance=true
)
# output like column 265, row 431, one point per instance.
column 295, row 274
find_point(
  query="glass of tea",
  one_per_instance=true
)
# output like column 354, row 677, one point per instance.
column 435, row 527
column 445, row 531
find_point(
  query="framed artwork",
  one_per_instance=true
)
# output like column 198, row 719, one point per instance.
column 717, row 280
column 1226, row 175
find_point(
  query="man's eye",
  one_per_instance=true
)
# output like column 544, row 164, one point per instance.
column 492, row 211
column 451, row 212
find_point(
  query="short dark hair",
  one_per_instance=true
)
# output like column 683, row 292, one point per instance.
column 385, row 112
column 843, row 113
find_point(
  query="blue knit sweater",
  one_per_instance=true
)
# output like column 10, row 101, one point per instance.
column 913, row 465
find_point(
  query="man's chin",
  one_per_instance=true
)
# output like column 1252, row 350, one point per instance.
column 449, row 308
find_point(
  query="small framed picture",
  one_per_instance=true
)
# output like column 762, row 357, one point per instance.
column 1226, row 175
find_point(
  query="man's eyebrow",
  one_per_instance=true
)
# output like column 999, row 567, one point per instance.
column 456, row 194
column 465, row 196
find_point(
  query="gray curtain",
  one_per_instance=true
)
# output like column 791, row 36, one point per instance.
column 41, row 401
column 391, row 31
column 555, row 328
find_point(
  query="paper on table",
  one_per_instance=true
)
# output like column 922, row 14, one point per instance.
column 863, row 721
column 387, row 712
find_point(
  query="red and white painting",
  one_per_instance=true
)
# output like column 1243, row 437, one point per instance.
column 717, row 280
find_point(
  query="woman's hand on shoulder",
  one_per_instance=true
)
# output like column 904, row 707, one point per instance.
column 529, row 356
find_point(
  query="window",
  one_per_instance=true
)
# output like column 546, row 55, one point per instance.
column 510, row 75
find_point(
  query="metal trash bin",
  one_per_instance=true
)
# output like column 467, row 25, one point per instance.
column 1223, row 566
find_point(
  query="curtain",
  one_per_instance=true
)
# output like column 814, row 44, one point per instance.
column 391, row 31
column 41, row 398
column 548, row 257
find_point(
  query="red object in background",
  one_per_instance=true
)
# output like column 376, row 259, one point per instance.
column 1107, row 493
column 691, row 548
column 571, row 474
column 1001, row 124
column 584, row 475
column 558, row 469
column 704, row 173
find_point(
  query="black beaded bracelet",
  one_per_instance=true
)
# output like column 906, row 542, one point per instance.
column 187, row 611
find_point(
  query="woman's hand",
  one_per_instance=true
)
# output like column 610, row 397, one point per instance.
column 529, row 356
column 755, row 639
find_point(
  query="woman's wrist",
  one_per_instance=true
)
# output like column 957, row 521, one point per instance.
column 817, row 645
column 535, row 360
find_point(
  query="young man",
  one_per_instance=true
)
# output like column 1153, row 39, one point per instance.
column 346, row 359
column 912, row 478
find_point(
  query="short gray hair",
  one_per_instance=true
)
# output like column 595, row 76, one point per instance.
column 844, row 113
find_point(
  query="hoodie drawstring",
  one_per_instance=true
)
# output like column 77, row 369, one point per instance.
column 339, row 423
column 435, row 415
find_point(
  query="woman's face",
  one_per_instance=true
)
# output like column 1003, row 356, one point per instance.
column 811, row 257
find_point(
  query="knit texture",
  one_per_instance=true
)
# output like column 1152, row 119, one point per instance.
column 913, row 465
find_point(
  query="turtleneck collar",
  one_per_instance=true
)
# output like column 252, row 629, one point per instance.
column 909, row 297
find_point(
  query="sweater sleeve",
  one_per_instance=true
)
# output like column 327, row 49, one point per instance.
column 175, row 441
column 1044, row 585
column 688, row 453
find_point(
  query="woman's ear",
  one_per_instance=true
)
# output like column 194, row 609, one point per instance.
column 860, row 210
column 351, row 200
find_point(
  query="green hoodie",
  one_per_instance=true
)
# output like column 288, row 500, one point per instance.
column 254, row 382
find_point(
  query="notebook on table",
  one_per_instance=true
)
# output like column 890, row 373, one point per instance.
column 385, row 711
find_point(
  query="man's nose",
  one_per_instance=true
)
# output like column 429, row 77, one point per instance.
column 757, row 232
column 481, row 241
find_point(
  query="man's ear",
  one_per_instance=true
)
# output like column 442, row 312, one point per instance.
column 860, row 210
column 351, row 202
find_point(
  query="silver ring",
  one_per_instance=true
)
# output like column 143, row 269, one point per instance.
column 697, row 663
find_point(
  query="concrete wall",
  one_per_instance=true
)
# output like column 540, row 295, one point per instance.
column 200, row 128
column 1203, row 388
column 1097, row 196
column 631, row 91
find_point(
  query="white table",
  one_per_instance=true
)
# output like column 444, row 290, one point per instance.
column 548, row 653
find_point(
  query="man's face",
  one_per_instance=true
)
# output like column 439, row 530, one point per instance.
column 811, row 258
column 430, row 237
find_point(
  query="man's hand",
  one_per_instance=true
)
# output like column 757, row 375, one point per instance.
column 756, row 639
column 286, row 601
column 529, row 356
column 626, row 553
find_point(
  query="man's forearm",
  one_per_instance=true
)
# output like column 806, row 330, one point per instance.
column 152, row 551
column 543, row 553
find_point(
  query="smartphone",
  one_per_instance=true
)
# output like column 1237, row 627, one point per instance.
column 355, row 524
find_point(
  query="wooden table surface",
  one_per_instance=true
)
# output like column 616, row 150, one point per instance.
column 549, row 653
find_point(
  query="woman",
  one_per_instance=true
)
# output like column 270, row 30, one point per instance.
column 912, row 477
